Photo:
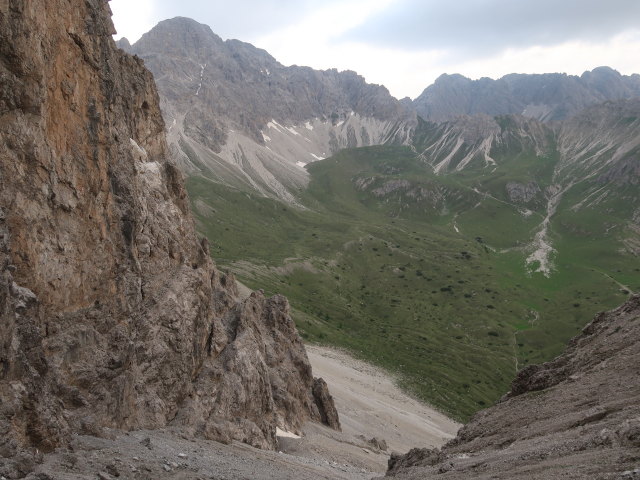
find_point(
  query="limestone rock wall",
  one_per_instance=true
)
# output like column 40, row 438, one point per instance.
column 112, row 312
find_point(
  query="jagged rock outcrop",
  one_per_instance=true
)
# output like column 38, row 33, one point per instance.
column 522, row 193
column 324, row 402
column 112, row 312
column 235, row 113
column 577, row 416
column 546, row 97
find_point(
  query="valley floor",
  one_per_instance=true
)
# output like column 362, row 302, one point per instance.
column 369, row 403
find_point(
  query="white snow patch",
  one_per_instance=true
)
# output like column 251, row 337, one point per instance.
column 316, row 156
column 293, row 130
column 284, row 433
column 266, row 138
column 308, row 126
column 301, row 164
column 352, row 114
column 275, row 125
column 455, row 227
column 340, row 123
column 526, row 213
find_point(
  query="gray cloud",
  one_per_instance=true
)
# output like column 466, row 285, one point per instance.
column 485, row 27
column 241, row 19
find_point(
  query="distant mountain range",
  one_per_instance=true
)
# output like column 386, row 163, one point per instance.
column 234, row 113
column 238, row 116
column 546, row 97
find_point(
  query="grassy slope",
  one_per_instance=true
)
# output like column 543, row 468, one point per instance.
column 390, row 279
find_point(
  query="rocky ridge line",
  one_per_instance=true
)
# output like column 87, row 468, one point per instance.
column 546, row 97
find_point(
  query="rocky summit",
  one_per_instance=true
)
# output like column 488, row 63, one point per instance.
column 112, row 313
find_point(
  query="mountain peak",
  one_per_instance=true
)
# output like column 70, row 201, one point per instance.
column 124, row 44
column 179, row 36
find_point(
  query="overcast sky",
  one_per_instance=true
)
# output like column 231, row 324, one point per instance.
column 406, row 44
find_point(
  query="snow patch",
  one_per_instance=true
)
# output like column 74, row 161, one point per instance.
column 266, row 138
column 285, row 434
column 340, row 123
column 308, row 126
column 292, row 130
column 275, row 125
column 316, row 156
column 301, row 164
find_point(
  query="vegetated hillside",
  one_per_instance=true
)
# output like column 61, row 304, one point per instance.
column 238, row 116
column 112, row 314
column 547, row 97
column 574, row 417
column 453, row 262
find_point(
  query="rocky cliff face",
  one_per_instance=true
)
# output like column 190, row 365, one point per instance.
column 546, row 97
column 479, row 141
column 577, row 416
column 235, row 113
column 602, row 142
column 113, row 314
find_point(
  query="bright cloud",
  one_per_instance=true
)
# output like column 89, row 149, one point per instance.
column 406, row 44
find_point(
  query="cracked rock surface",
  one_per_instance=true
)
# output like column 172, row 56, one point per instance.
column 113, row 315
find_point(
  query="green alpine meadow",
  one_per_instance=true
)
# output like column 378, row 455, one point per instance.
column 453, row 278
